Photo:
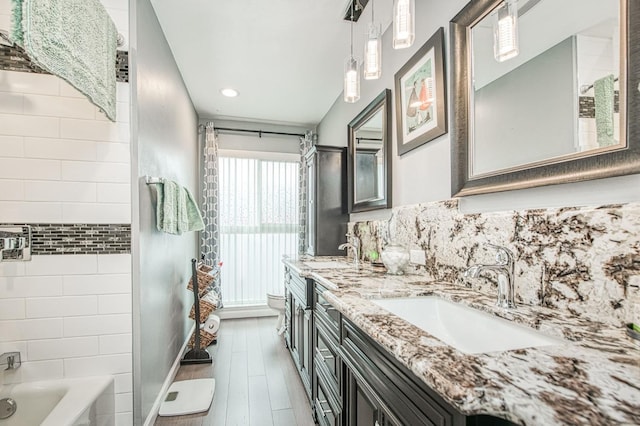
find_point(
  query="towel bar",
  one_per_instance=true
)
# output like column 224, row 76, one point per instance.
column 149, row 180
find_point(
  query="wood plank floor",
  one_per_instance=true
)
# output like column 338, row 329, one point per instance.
column 256, row 381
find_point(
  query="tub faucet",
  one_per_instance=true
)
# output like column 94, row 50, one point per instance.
column 504, row 267
column 11, row 360
column 354, row 245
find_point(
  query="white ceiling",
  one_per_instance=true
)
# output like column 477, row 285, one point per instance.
column 285, row 57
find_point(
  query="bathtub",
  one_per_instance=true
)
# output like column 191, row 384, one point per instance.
column 66, row 402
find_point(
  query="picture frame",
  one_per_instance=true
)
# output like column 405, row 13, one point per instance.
column 420, row 96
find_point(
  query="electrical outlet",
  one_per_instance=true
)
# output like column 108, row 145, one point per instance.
column 418, row 257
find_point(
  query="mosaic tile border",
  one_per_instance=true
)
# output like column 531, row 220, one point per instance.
column 79, row 238
column 587, row 105
column 14, row 58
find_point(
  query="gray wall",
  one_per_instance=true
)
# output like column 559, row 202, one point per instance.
column 165, row 141
column 424, row 174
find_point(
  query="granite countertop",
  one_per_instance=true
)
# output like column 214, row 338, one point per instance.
column 593, row 378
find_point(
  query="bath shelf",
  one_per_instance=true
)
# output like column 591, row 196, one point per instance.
column 196, row 355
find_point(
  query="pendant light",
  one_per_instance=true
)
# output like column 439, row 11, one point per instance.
column 505, row 31
column 351, row 73
column 403, row 23
column 373, row 51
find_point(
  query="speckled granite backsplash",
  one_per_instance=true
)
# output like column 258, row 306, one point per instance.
column 585, row 260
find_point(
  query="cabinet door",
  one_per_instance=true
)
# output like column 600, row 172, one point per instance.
column 305, row 353
column 326, row 213
column 364, row 406
column 296, row 323
column 288, row 317
column 311, row 205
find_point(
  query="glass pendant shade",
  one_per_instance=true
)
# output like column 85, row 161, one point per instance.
column 351, row 80
column 403, row 23
column 505, row 32
column 373, row 53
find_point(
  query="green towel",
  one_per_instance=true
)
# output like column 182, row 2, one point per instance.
column 604, row 93
column 189, row 217
column 166, row 206
column 73, row 39
column 176, row 210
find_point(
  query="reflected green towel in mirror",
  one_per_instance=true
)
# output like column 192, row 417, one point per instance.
column 604, row 96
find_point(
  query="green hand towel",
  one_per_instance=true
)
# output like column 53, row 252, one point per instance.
column 604, row 93
column 189, row 217
column 73, row 39
column 166, row 206
column 176, row 210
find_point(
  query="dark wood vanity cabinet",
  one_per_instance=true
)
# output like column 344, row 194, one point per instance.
column 349, row 378
column 327, row 216
column 379, row 388
column 380, row 391
column 299, row 325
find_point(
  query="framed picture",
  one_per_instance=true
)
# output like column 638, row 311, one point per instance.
column 421, row 110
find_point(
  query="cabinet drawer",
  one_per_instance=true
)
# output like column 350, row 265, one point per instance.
column 328, row 409
column 327, row 361
column 325, row 311
column 299, row 287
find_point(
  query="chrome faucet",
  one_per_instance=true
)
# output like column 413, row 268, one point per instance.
column 11, row 360
column 354, row 245
column 504, row 267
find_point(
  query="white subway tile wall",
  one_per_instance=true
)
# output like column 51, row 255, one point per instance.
column 61, row 149
column 124, row 382
column 40, row 350
column 115, row 344
column 114, row 304
column 69, row 316
column 12, row 309
column 11, row 146
column 62, row 161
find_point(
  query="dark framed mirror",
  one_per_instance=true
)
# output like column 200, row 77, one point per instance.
column 564, row 109
column 369, row 152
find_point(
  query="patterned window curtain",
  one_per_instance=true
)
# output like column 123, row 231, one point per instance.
column 306, row 144
column 210, row 244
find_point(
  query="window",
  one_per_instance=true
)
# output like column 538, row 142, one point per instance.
column 258, row 224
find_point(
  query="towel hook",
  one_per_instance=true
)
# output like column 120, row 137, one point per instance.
column 120, row 40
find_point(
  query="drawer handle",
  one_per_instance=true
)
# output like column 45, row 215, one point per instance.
column 322, row 409
column 323, row 351
column 321, row 307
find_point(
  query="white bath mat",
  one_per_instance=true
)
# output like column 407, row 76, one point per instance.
column 188, row 397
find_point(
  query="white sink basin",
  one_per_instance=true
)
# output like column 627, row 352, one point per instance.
column 468, row 330
column 328, row 265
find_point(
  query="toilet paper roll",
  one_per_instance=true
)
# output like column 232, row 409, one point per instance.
column 212, row 324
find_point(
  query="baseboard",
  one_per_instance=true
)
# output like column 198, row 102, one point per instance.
column 153, row 414
column 246, row 312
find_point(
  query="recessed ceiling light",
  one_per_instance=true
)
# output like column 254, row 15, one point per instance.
column 229, row 93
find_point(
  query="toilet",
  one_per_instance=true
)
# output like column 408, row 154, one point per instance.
column 276, row 301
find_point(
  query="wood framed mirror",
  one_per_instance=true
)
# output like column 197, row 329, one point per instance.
column 541, row 117
column 369, row 156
